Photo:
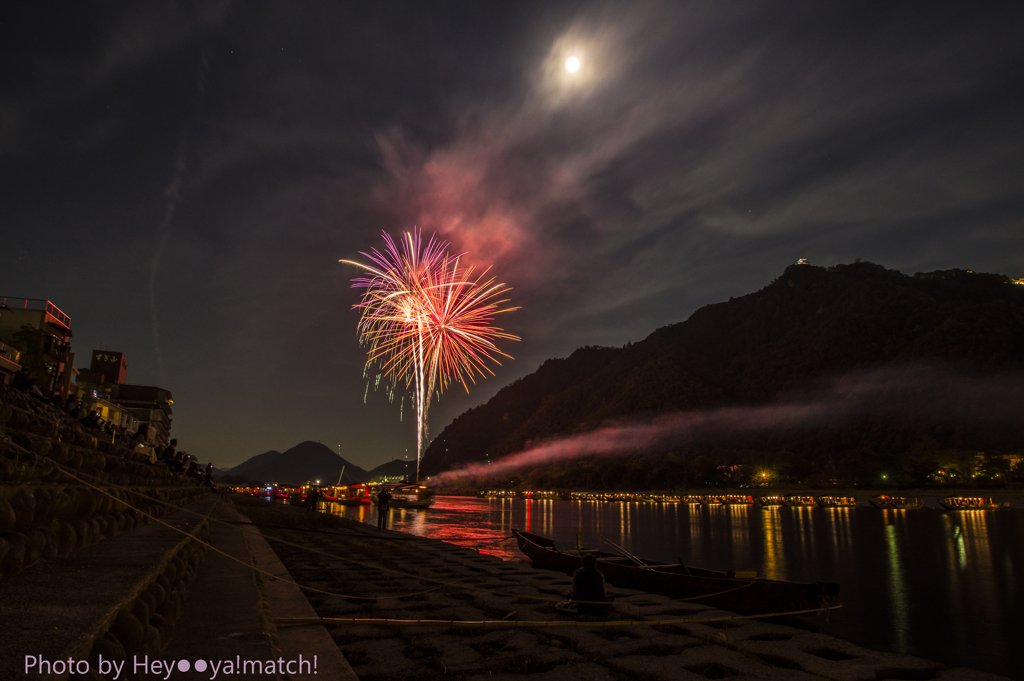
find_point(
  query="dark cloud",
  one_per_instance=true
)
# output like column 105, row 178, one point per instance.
column 700, row 149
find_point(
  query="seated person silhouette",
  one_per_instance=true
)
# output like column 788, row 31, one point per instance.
column 588, row 596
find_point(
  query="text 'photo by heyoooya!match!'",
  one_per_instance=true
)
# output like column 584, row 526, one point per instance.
column 143, row 666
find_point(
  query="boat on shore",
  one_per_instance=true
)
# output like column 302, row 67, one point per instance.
column 797, row 501
column 968, row 504
column 736, row 591
column 835, row 502
column 888, row 502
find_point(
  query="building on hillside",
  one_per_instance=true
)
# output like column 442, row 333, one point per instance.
column 8, row 362
column 105, row 379
column 41, row 335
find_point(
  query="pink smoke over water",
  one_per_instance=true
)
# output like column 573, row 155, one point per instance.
column 896, row 392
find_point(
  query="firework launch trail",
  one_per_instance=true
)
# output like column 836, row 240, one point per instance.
column 427, row 320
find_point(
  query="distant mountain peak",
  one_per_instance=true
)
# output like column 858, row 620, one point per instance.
column 308, row 460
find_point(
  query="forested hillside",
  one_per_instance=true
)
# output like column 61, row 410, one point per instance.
column 949, row 341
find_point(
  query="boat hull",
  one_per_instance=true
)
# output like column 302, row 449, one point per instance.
column 706, row 587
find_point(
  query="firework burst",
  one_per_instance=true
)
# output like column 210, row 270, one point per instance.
column 427, row 321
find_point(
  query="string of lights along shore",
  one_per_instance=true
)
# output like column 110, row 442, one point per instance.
column 427, row 320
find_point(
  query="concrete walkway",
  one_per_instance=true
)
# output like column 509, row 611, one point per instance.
column 226, row 622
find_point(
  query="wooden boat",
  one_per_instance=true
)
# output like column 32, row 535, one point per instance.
column 735, row 591
column 835, row 502
column 738, row 500
column 406, row 495
column 769, row 502
column 797, row 501
column 353, row 495
column 886, row 502
column 968, row 504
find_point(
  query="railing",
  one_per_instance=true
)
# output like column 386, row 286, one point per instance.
column 35, row 304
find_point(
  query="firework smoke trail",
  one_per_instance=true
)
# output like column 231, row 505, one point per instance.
column 172, row 192
column 923, row 393
column 426, row 320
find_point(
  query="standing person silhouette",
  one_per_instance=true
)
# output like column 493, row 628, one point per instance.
column 383, row 507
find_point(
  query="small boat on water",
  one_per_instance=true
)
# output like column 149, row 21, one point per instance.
column 711, row 500
column 835, row 502
column 406, row 494
column 738, row 500
column 797, row 501
column 691, row 499
column 968, row 504
column 887, row 502
column 353, row 495
column 736, row 591
column 769, row 502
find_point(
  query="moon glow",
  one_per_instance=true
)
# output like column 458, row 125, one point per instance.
column 572, row 64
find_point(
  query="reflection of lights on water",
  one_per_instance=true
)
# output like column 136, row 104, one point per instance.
column 897, row 588
column 774, row 561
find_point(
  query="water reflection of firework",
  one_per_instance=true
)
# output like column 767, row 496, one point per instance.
column 426, row 320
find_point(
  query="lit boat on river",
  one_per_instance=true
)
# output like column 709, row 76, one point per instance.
column 887, row 502
column 353, row 495
column 738, row 500
column 968, row 504
column 797, row 501
column 769, row 502
column 736, row 591
column 835, row 502
column 405, row 494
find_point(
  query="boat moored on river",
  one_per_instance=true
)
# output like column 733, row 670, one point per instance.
column 405, row 494
column 797, row 501
column 769, row 502
column 736, row 591
column 738, row 500
column 887, row 502
column 353, row 495
column 968, row 504
column 835, row 502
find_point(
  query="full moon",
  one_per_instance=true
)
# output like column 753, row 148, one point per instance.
column 572, row 64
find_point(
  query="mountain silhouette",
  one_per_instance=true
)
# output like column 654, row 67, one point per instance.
column 811, row 325
column 305, row 461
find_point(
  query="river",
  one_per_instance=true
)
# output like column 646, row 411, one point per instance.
column 938, row 585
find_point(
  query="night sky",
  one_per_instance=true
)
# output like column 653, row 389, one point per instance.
column 182, row 178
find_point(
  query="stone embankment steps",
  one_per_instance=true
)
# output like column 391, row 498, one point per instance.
column 118, row 598
column 84, row 570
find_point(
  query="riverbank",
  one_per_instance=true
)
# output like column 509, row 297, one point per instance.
column 374, row 574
